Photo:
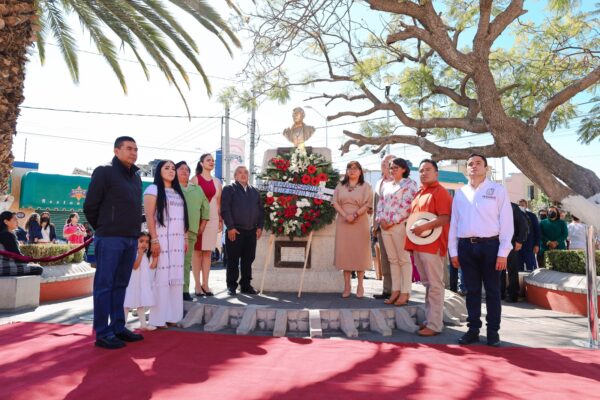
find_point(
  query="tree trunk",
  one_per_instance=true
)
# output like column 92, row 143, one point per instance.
column 17, row 19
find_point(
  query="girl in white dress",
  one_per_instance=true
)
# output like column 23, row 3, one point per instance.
column 166, row 215
column 139, row 291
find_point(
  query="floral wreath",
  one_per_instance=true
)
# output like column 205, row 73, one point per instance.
column 292, row 215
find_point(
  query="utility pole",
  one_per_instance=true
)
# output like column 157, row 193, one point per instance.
column 252, row 139
column 225, row 150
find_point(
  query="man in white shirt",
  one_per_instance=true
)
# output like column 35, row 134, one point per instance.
column 481, row 231
column 386, row 176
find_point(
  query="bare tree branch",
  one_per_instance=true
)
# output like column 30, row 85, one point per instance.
column 563, row 96
column 437, row 152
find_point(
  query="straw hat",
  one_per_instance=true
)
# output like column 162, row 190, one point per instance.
column 428, row 236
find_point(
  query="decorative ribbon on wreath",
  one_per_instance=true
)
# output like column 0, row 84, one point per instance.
column 21, row 258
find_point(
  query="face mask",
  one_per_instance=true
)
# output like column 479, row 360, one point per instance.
column 543, row 216
column 522, row 208
column 45, row 220
column 552, row 215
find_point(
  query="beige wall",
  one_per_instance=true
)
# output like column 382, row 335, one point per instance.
column 518, row 186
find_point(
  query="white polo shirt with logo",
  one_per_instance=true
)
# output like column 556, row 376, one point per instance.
column 481, row 212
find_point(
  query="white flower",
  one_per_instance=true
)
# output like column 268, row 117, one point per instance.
column 298, row 212
column 272, row 216
column 269, row 194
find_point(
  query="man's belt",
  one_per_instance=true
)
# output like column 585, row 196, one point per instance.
column 480, row 239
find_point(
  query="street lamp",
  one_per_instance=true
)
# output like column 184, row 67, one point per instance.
column 326, row 125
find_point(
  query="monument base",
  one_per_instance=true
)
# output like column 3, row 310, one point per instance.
column 321, row 277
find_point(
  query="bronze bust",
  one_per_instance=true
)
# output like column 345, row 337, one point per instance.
column 299, row 132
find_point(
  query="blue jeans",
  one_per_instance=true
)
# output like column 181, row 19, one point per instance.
column 114, row 262
column 478, row 262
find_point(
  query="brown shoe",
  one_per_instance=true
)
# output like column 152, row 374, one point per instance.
column 427, row 332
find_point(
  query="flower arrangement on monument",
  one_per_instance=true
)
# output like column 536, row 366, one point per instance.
column 296, row 215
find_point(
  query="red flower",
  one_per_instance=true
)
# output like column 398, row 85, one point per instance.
column 280, row 220
column 305, row 179
column 307, row 224
column 307, row 216
column 318, row 202
column 303, row 228
column 314, row 181
column 311, row 169
column 269, row 200
column 323, row 177
column 280, row 229
column 290, row 212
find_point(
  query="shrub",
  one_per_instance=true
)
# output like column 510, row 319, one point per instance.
column 51, row 250
column 571, row 261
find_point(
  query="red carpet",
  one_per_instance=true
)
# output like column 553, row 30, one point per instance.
column 50, row 361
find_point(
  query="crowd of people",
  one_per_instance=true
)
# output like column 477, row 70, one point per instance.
column 479, row 231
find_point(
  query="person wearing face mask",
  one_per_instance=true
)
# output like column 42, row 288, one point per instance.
column 554, row 232
column 531, row 247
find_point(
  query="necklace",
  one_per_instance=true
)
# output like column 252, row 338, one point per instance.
column 351, row 188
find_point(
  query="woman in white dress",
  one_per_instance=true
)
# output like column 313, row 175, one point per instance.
column 166, row 216
column 207, row 242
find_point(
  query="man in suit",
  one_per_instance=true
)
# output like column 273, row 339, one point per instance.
column 243, row 214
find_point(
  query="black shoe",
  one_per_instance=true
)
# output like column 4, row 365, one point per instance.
column 111, row 343
column 469, row 337
column 187, row 297
column 493, row 339
column 207, row 293
column 249, row 290
column 382, row 296
column 512, row 300
column 231, row 291
column 127, row 336
column 353, row 275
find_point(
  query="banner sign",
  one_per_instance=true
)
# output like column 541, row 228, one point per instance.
column 317, row 192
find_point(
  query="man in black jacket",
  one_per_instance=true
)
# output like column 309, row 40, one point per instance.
column 113, row 207
column 513, row 261
column 243, row 214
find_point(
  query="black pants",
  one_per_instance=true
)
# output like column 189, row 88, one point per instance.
column 240, row 255
column 512, row 270
column 478, row 263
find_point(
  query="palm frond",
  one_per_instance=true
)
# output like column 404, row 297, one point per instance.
column 121, row 31
column 104, row 45
column 62, row 33
column 40, row 35
column 156, row 20
column 209, row 19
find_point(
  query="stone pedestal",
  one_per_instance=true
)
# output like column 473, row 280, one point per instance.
column 322, row 277
column 324, row 151
column 19, row 293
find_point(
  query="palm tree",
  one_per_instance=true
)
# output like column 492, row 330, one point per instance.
column 139, row 24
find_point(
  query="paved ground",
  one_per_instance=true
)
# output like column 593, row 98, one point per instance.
column 522, row 323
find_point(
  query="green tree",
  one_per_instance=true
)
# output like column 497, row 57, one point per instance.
column 138, row 24
column 446, row 68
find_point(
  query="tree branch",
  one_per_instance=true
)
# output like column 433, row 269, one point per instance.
column 505, row 18
column 437, row 152
column 563, row 96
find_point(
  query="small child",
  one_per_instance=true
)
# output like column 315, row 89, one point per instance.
column 139, row 291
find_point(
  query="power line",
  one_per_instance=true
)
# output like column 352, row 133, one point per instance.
column 120, row 113
column 98, row 141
